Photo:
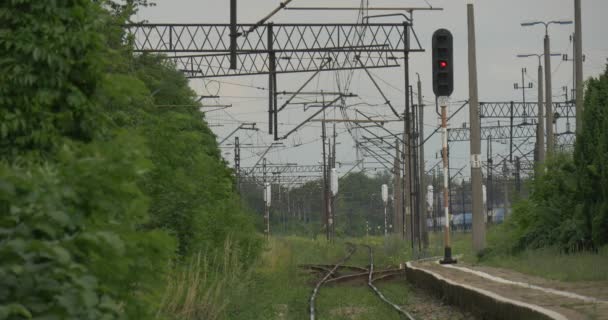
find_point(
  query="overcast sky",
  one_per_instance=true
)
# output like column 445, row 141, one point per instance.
column 499, row 38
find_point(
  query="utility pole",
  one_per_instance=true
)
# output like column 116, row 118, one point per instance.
column 414, row 181
column 523, row 88
column 540, row 126
column 407, row 146
column 407, row 172
column 518, row 175
column 421, row 168
column 549, row 96
column 398, row 192
column 233, row 34
column 511, row 132
column 578, row 57
column 436, row 202
column 479, row 227
column 267, row 196
column 548, row 87
column 407, row 187
column 568, row 115
column 506, row 173
column 490, row 183
column 325, row 193
column 332, row 219
column 237, row 163
column 463, row 208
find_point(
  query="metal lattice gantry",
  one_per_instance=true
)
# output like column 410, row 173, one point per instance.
column 519, row 110
column 216, row 65
column 280, row 179
column 274, row 49
column 283, row 169
column 295, row 47
column 495, row 132
column 215, row 38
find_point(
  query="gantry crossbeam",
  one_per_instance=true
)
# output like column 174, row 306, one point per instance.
column 281, row 179
column 494, row 110
column 283, row 169
column 215, row 38
column 503, row 132
column 496, row 132
column 217, row 65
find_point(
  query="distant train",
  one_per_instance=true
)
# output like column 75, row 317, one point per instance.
column 464, row 222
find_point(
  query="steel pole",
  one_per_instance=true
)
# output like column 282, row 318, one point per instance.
column 385, row 222
column 398, row 191
column 548, row 98
column 423, row 204
column 406, row 144
column 237, row 163
column 540, row 131
column 266, row 218
column 271, row 83
column 578, row 60
column 523, row 93
column 325, row 199
column 233, row 34
column 479, row 227
column 447, row 258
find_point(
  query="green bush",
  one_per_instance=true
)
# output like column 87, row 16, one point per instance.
column 568, row 205
column 69, row 238
column 99, row 187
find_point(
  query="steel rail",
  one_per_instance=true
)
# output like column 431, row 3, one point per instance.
column 311, row 301
column 370, row 283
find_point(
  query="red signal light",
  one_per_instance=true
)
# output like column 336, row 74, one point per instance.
column 443, row 64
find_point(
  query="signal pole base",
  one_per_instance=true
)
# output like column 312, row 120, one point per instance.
column 447, row 257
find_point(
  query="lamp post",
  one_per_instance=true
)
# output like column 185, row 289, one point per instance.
column 540, row 126
column 548, row 87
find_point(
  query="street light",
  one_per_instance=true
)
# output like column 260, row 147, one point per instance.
column 540, row 126
column 548, row 89
column 546, row 24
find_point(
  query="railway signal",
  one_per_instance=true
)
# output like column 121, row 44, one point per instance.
column 443, row 86
column 443, row 67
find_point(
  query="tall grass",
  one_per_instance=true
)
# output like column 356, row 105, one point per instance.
column 205, row 286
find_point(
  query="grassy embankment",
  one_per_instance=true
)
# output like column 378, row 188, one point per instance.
column 280, row 290
column 275, row 288
column 548, row 263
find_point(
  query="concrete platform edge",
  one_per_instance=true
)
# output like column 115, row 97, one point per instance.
column 482, row 303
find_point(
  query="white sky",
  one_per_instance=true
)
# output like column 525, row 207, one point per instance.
column 499, row 39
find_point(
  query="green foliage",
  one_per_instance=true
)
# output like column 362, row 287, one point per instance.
column 591, row 158
column 49, row 69
column 94, row 177
column 361, row 204
column 546, row 218
column 69, row 235
column 190, row 187
column 358, row 204
column 207, row 286
column 568, row 205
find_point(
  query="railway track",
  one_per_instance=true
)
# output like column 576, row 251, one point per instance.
column 360, row 273
column 370, row 283
column 351, row 250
